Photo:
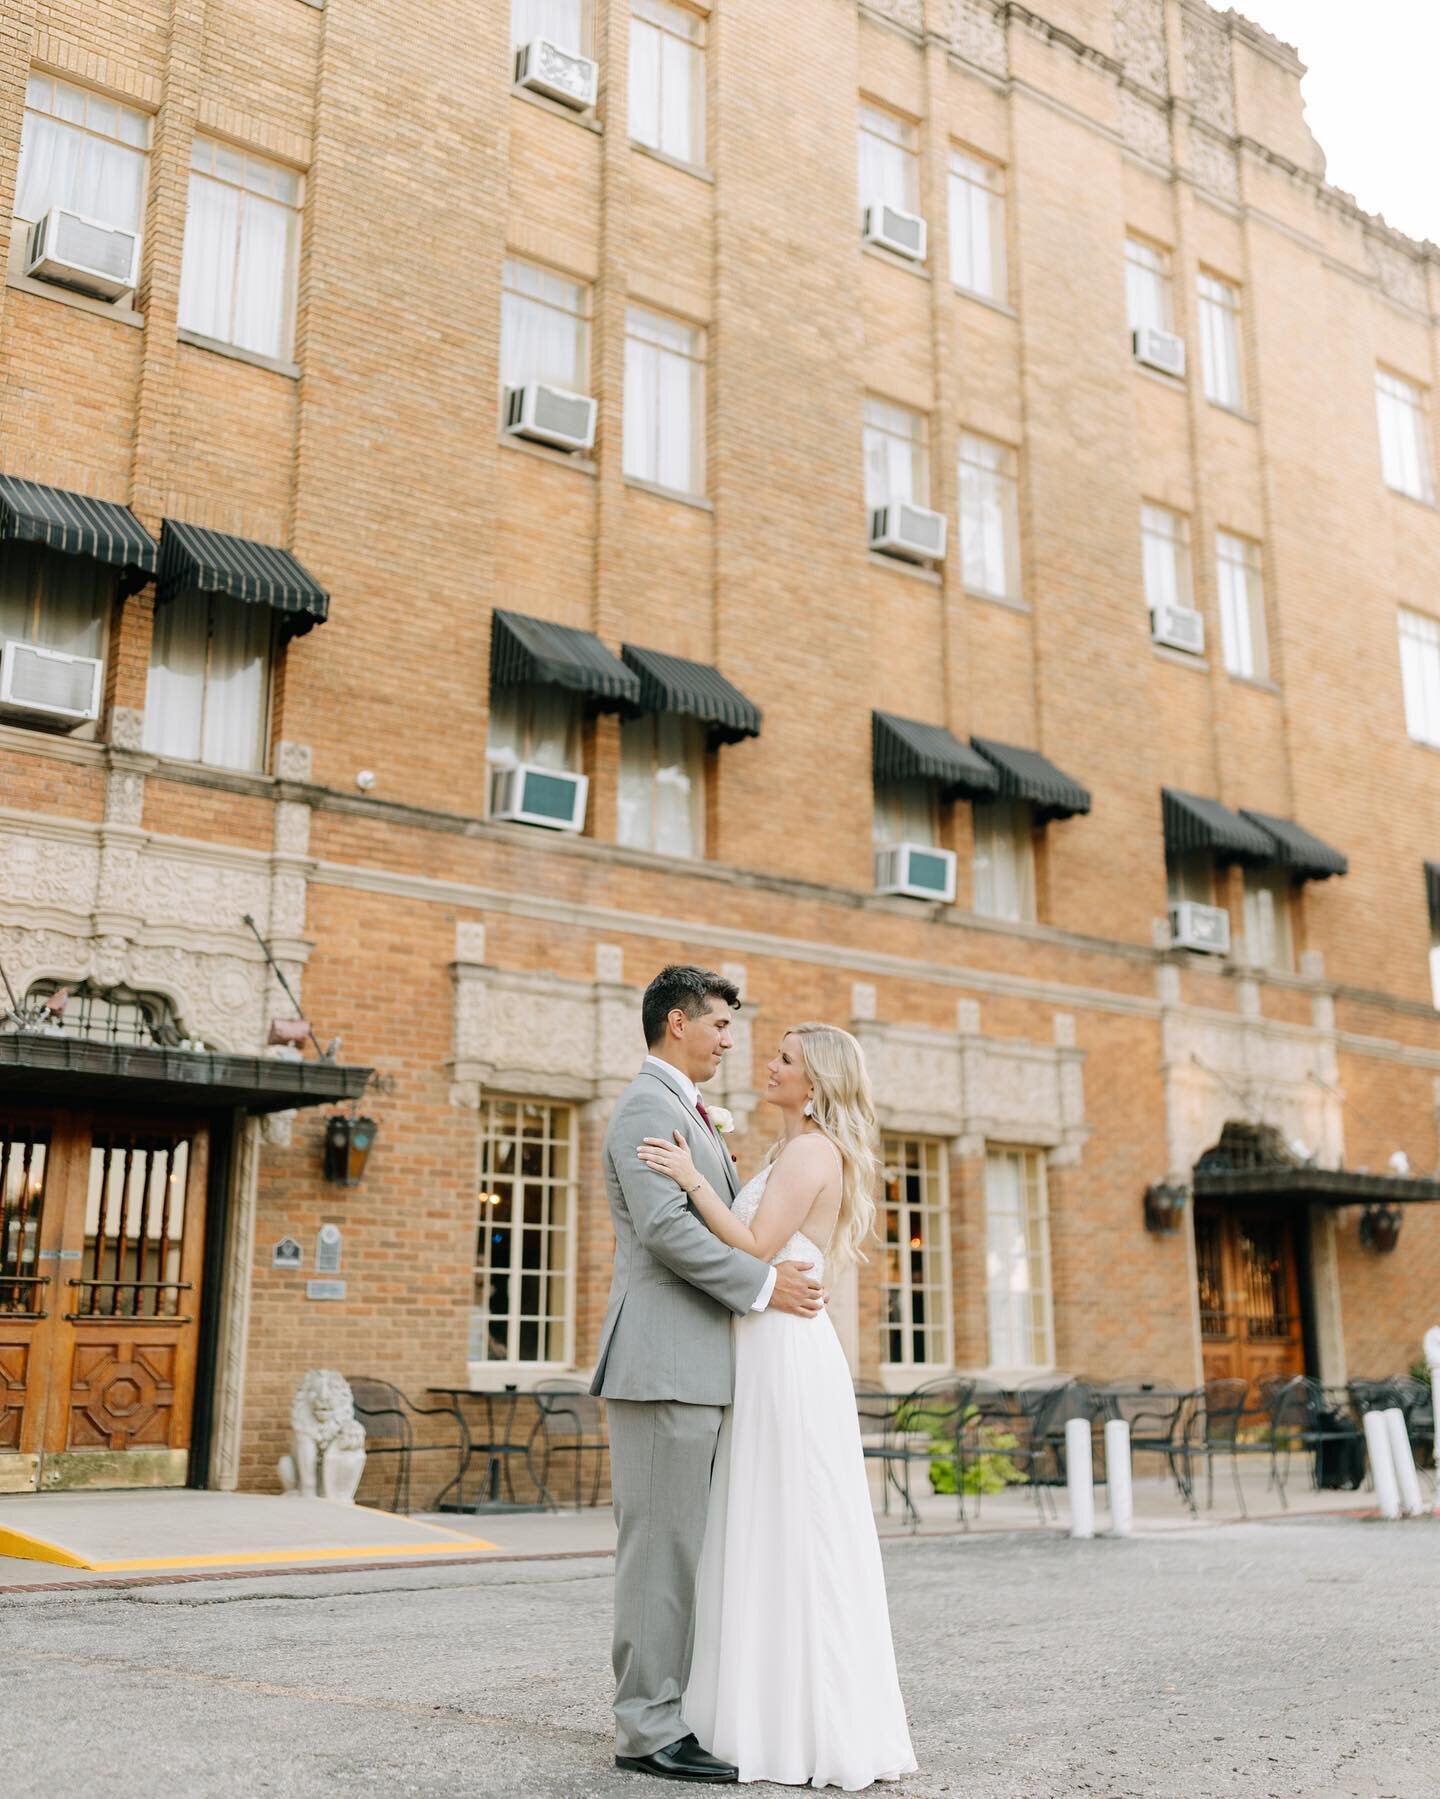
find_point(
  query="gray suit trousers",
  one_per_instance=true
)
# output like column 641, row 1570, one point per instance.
column 662, row 1453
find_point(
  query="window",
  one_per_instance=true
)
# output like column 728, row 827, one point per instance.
column 1219, row 308
column 889, row 171
column 83, row 152
column 989, row 517
column 667, row 79
column 1404, row 452
column 1435, row 965
column 544, row 328
column 904, row 812
column 1242, row 606
column 662, row 784
column 915, row 1289
column 1420, row 675
column 1267, row 918
column 59, row 602
column 977, row 225
column 664, row 401
column 896, row 457
column 562, row 21
column 524, row 1258
column 1190, row 875
column 111, row 1014
column 1004, row 859
column 1147, row 286
column 1165, row 548
column 1017, row 1260
column 242, row 240
column 540, row 725
column 209, row 681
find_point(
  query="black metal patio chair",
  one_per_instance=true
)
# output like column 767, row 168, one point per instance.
column 1308, row 1418
column 886, row 1438
column 1157, row 1414
column 388, row 1417
column 570, row 1421
column 993, row 1444
column 937, row 1410
column 1223, row 1422
column 1050, row 1409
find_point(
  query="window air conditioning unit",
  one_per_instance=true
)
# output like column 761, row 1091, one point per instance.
column 916, row 870
column 1181, row 627
column 550, row 415
column 1159, row 350
column 77, row 252
column 892, row 229
column 527, row 794
column 900, row 529
column 559, row 74
column 47, row 686
column 1206, row 928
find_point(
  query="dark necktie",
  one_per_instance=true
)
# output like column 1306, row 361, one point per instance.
column 704, row 1115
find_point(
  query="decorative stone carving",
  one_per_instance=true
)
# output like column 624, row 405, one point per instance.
column 1145, row 125
column 184, row 889
column 40, row 871
column 1401, row 277
column 287, row 905
column 118, row 888
column 863, row 1000
column 967, row 1017
column 609, row 962
column 328, row 1440
column 1214, row 164
column 469, row 942
column 1140, row 41
column 735, row 972
column 1208, row 77
column 292, row 829
column 540, row 1033
column 1065, row 1029
column 909, row 13
column 293, row 761
column 127, row 728
column 976, row 30
column 124, row 796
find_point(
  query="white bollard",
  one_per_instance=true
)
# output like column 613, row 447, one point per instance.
column 1080, row 1477
column 1432, row 1356
column 1382, row 1465
column 1406, row 1478
column 1117, row 1477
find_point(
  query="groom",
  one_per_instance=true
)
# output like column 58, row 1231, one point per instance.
column 667, row 1363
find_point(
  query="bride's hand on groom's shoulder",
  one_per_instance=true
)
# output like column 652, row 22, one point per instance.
column 672, row 1158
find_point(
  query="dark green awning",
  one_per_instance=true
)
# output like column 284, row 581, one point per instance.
column 1432, row 892
column 904, row 749
column 196, row 560
column 528, row 651
column 76, row 525
column 1193, row 823
column 1027, row 775
column 1306, row 856
column 673, row 684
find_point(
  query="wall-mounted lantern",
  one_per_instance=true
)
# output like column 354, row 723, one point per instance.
column 348, row 1141
column 1380, row 1228
column 1165, row 1203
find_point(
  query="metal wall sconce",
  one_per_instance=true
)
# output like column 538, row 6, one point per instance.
column 1165, row 1203
column 1380, row 1228
column 348, row 1141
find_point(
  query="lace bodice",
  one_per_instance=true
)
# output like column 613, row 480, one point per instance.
column 799, row 1248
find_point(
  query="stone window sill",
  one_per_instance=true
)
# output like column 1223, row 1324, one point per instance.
column 897, row 565
column 1253, row 681
column 1003, row 307
column 291, row 370
column 1413, row 499
column 586, row 120
column 1005, row 601
column 1234, row 412
column 1175, row 383
column 1181, row 658
column 698, row 501
column 673, row 162
column 881, row 254
column 583, row 465
column 119, row 312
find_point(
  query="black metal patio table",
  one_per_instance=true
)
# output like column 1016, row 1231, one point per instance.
column 487, row 1418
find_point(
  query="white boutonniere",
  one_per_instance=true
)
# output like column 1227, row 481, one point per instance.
column 722, row 1118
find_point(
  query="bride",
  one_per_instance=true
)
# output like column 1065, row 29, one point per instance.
column 793, row 1674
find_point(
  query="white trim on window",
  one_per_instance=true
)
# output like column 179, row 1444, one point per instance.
column 664, row 401
column 1241, row 591
column 526, row 1214
column 1420, row 674
column 1018, row 1300
column 1402, row 416
column 897, row 454
column 916, row 1331
column 976, row 192
column 1149, row 302
column 1218, row 306
column 989, row 517
column 888, row 161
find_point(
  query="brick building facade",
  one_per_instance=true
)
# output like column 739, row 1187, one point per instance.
column 1174, row 684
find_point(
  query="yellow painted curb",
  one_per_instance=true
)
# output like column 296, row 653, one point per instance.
column 22, row 1546
column 25, row 1548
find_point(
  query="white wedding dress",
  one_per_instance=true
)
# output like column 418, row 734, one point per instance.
column 793, row 1674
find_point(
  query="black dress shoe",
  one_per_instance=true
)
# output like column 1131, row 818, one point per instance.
column 684, row 1760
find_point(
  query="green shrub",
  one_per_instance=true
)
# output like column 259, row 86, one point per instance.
column 991, row 1471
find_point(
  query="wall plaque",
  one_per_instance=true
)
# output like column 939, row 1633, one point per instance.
column 324, row 1289
column 287, row 1254
column 327, row 1249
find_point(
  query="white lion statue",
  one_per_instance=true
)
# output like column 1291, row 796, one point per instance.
column 328, row 1441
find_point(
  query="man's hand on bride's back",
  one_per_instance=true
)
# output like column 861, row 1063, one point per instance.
column 797, row 1290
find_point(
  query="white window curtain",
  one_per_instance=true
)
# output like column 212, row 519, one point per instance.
column 1435, row 968
column 1404, row 449
column 661, row 795
column 895, row 454
column 540, row 725
column 1190, row 875
column 888, row 168
column 1267, row 918
column 1017, row 1261
column 989, row 517
column 664, row 401
column 1147, row 286
column 667, row 79
column 1242, row 606
column 1219, row 308
column 83, row 152
column 239, row 266
column 904, row 812
column 1420, row 675
column 544, row 334
column 209, row 681
column 977, row 225
column 1004, row 859
column 59, row 602
column 915, row 1292
column 562, row 21
column 1165, row 547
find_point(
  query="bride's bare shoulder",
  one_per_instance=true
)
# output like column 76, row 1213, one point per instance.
column 810, row 1155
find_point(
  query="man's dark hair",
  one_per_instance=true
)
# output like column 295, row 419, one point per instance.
column 691, row 989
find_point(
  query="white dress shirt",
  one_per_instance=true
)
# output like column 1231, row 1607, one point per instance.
column 692, row 1093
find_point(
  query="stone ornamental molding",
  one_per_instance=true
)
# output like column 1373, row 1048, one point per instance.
column 1214, row 163
column 1401, row 275
column 976, row 32
column 1145, row 125
column 1139, row 27
column 1209, row 77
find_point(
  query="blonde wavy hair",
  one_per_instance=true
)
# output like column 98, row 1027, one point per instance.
column 844, row 1111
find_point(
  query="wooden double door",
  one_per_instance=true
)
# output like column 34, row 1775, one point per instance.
column 1248, row 1271
column 102, row 1229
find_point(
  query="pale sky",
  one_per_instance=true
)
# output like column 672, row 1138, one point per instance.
column 1370, row 97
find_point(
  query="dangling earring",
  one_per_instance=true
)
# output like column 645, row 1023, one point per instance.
column 810, row 1108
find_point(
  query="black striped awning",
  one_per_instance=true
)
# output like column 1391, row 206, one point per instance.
column 694, row 689
column 904, row 749
column 1306, row 856
column 532, row 651
column 196, row 560
column 1027, row 775
column 1193, row 823
column 76, row 525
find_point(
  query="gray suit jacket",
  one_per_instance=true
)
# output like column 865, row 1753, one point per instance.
column 667, row 1333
